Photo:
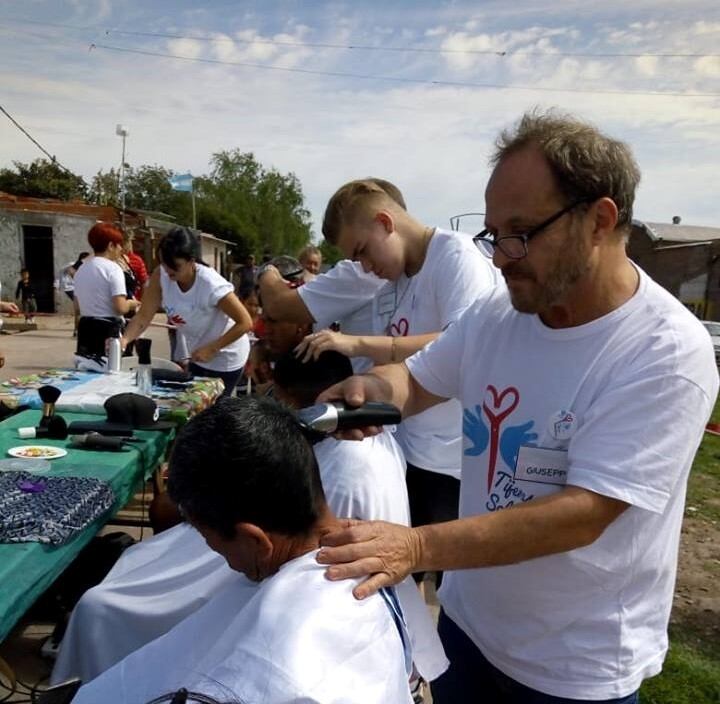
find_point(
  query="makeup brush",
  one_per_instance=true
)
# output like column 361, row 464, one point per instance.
column 49, row 396
column 56, row 429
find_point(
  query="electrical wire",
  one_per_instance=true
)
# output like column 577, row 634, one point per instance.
column 410, row 49
column 416, row 81
column 370, row 47
column 34, row 141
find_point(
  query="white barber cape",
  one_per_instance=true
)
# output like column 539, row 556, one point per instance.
column 161, row 581
column 294, row 637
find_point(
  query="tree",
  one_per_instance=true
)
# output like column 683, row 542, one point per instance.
column 330, row 253
column 105, row 188
column 263, row 210
column 260, row 210
column 146, row 188
column 42, row 179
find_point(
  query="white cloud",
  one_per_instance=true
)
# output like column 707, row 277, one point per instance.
column 708, row 66
column 646, row 65
column 432, row 140
column 436, row 31
column 192, row 48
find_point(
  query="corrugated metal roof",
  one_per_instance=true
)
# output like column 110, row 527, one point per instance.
column 667, row 232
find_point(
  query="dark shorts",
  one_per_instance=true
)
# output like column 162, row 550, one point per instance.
column 434, row 498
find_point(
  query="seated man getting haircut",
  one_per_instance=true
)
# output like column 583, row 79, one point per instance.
column 159, row 582
column 294, row 636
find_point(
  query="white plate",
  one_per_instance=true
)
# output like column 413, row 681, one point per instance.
column 46, row 452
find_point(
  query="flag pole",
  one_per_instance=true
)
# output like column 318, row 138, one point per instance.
column 192, row 197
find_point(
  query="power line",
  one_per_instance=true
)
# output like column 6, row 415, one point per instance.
column 408, row 49
column 369, row 47
column 420, row 81
column 34, row 141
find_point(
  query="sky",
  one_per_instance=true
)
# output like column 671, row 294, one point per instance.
column 414, row 92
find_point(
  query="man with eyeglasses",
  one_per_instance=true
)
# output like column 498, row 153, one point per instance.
column 585, row 388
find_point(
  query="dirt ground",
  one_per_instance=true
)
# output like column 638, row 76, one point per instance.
column 696, row 607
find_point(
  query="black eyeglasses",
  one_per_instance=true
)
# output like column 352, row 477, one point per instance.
column 515, row 246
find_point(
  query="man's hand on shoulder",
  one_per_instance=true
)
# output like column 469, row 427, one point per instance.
column 387, row 552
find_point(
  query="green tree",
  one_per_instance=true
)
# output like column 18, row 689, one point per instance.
column 105, row 188
column 330, row 253
column 42, row 179
column 262, row 210
column 146, row 188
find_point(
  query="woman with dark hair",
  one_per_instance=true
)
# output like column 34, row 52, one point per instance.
column 201, row 304
column 100, row 296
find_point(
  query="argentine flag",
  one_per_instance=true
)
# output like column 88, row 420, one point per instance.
column 182, row 182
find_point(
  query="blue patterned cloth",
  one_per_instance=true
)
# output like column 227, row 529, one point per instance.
column 50, row 510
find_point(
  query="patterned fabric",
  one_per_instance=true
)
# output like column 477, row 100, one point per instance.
column 82, row 393
column 50, row 510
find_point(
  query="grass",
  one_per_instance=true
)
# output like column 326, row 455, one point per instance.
column 691, row 674
column 688, row 676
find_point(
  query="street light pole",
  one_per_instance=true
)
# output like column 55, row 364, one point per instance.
column 123, row 132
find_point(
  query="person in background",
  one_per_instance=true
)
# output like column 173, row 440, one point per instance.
column 67, row 284
column 100, row 296
column 25, row 294
column 244, row 277
column 201, row 304
column 7, row 307
column 311, row 259
column 136, row 265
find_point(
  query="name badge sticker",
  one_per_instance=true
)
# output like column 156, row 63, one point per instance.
column 563, row 424
column 541, row 465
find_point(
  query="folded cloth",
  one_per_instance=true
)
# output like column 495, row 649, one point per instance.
column 49, row 509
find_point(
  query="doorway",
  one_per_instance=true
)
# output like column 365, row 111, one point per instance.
column 38, row 258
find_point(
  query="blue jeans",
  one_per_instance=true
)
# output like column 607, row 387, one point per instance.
column 230, row 379
column 471, row 678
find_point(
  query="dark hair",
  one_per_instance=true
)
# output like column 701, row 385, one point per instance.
column 24, row 270
column 102, row 234
column 586, row 163
column 356, row 199
column 304, row 381
column 289, row 267
column 179, row 243
column 246, row 460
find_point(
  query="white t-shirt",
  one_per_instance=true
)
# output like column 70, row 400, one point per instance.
column 159, row 582
column 196, row 315
column 344, row 294
column 340, row 292
column 623, row 401
column 97, row 281
column 454, row 275
column 294, row 637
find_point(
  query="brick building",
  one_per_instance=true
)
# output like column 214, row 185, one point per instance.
column 44, row 235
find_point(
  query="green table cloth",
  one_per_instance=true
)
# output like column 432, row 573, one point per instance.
column 28, row 569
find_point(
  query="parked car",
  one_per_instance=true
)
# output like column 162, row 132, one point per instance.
column 713, row 327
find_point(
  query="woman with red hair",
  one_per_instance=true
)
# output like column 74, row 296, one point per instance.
column 100, row 295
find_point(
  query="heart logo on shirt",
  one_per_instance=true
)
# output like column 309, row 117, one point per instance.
column 176, row 319
column 500, row 409
column 400, row 329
